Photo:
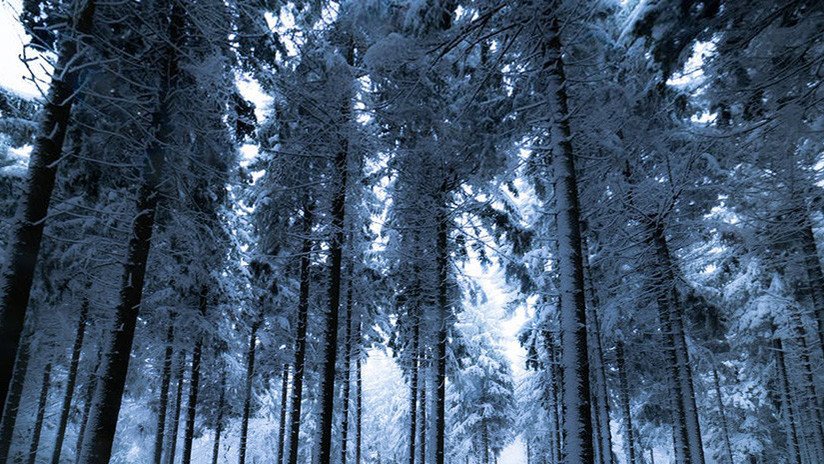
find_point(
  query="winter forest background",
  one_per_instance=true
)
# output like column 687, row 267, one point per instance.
column 412, row 231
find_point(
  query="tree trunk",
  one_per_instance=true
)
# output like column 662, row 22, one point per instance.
column 688, row 430
column 358, row 400
column 793, row 444
column 812, row 397
column 485, row 441
column 725, row 430
column 284, row 394
column 300, row 339
column 41, row 413
column 574, row 357
column 247, row 392
column 629, row 440
column 554, row 394
column 181, row 373
column 347, row 362
column 91, row 385
column 71, row 380
column 219, row 421
column 165, row 381
column 103, row 419
column 422, row 404
column 21, row 367
column 336, row 255
column 443, row 310
column 413, row 391
column 815, row 276
column 194, row 383
column 33, row 207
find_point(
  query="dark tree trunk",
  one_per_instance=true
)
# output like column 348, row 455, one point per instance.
column 809, row 384
column 554, row 394
column 21, row 367
column 33, row 206
column 71, row 380
column 485, row 441
column 688, row 431
column 165, row 381
column 347, row 362
column 336, row 255
column 725, row 429
column 442, row 261
column 625, row 405
column 194, row 383
column 109, row 395
column 423, row 424
column 284, row 394
column 793, row 444
column 41, row 413
column 300, row 339
column 815, row 276
column 181, row 374
column 219, row 421
column 358, row 400
column 575, row 359
column 247, row 391
column 91, row 386
column 413, row 390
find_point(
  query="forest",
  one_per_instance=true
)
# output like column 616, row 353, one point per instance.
column 412, row 231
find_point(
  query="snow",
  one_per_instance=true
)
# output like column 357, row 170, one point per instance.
column 13, row 38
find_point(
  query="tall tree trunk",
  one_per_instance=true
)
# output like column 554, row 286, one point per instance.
column 347, row 362
column 554, row 395
column 423, row 424
column 109, row 395
column 600, row 390
column 574, row 357
column 793, row 444
column 91, row 386
column 413, row 390
column 812, row 397
column 485, row 441
column 629, row 440
column 327, row 405
column 194, row 383
column 725, row 429
column 165, row 381
column 687, row 426
column 41, row 413
column 442, row 262
column 300, row 339
column 284, row 394
column 358, row 399
column 33, row 206
column 221, row 405
column 247, row 392
column 21, row 367
column 815, row 275
column 71, row 380
column 181, row 374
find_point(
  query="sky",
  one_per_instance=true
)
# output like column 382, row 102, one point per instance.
column 12, row 40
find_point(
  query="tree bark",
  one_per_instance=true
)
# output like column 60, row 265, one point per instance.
column 422, row 404
column 358, row 400
column 103, row 419
column 629, row 441
column 812, row 399
column 219, row 421
column 575, row 359
column 181, row 373
column 336, row 255
column 725, row 429
column 554, row 393
column 33, row 207
column 41, row 413
column 815, row 276
column 413, row 391
column 194, row 383
column 91, row 385
column 284, row 394
column 9, row 420
column 71, row 380
column 165, row 381
column 247, row 392
column 443, row 311
column 793, row 444
column 347, row 362
column 300, row 339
